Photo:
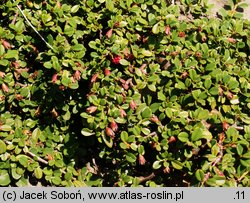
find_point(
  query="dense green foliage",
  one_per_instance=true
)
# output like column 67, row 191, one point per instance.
column 125, row 93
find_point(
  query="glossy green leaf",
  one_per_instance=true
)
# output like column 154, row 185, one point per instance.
column 66, row 116
column 55, row 63
column 146, row 53
column 107, row 140
column 197, row 134
column 5, row 128
column 216, row 181
column 152, row 87
column 78, row 183
column 110, row 5
column 2, row 147
column 38, row 172
column 23, row 160
column 36, row 134
column 86, row 132
column 145, row 131
column 124, row 136
column 161, row 96
column 22, row 182
column 130, row 157
column 155, row 28
column 246, row 155
column 199, row 174
column 4, row 178
column 11, row 54
column 245, row 163
column 214, row 91
column 155, row 107
column 4, row 62
column 240, row 149
column 56, row 180
column 48, row 64
column 177, row 165
column 146, row 113
column 183, row 137
column 75, row 8
column 141, row 149
column 14, row 174
column 157, row 164
column 124, row 62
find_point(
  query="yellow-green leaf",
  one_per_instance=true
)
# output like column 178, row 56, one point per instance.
column 4, row 178
column 2, row 147
column 38, row 172
column 177, row 165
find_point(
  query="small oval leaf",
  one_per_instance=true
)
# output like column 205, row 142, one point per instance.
column 177, row 165
column 157, row 164
column 2, row 147
column 4, row 178
column 199, row 174
column 130, row 157
column 38, row 172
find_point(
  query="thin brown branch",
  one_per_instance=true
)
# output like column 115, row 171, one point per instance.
column 220, row 154
column 242, row 176
column 8, row 142
column 146, row 178
column 237, row 127
column 15, row 17
column 38, row 158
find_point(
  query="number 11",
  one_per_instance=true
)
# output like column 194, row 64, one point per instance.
column 240, row 195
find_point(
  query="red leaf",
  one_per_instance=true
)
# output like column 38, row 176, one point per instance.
column 5, row 88
column 122, row 81
column 198, row 54
column 166, row 170
column 109, row 33
column 116, row 60
column 16, row 64
column 125, row 86
column 2, row 74
column 58, row 4
column 6, row 44
column 203, row 38
column 141, row 159
column 132, row 105
column 155, row 119
column 221, row 137
column 171, row 139
column 54, row 78
column 49, row 157
column 221, row 91
column 62, row 87
column 106, row 72
column 230, row 95
column 94, row 77
column 110, row 132
column 167, row 30
column 184, row 74
column 114, row 126
column 77, row 75
column 123, row 113
column 225, row 125
column 91, row 109
column 19, row 97
column 54, row 113
column 182, row 34
column 117, row 24
column 231, row 40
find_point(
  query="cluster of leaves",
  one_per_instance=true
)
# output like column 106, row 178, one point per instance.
column 124, row 93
